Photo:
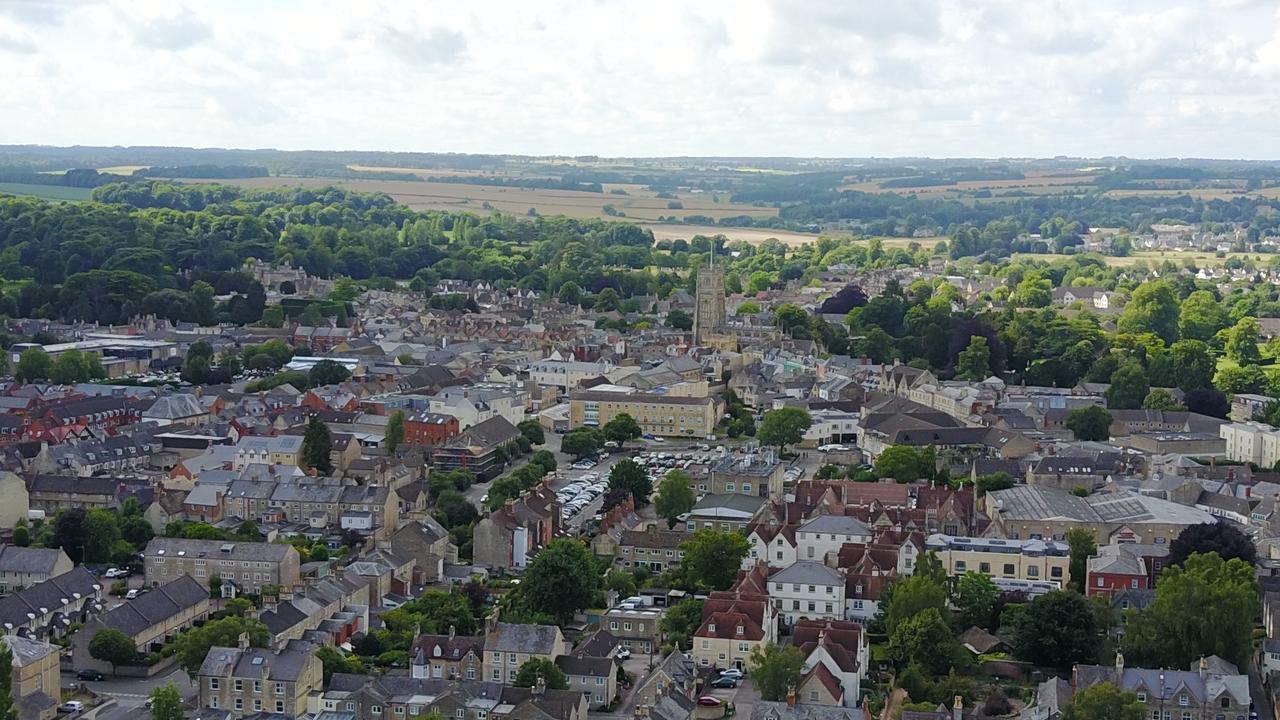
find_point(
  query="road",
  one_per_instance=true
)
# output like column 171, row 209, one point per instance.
column 131, row 693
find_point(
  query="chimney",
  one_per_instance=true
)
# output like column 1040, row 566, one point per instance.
column 452, row 631
column 491, row 621
column 957, row 708
column 243, row 641
column 539, row 687
column 1204, row 667
column 791, row 696
column 1119, row 663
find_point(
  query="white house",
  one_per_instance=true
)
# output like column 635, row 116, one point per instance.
column 826, row 533
column 808, row 590
column 771, row 542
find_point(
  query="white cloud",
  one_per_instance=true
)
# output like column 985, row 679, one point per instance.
column 722, row 77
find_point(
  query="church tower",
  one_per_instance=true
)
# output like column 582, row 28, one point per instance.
column 708, row 300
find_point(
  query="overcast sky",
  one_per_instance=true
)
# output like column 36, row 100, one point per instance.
column 643, row 77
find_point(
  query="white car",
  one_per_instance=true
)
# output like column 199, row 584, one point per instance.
column 116, row 573
column 71, row 706
column 731, row 672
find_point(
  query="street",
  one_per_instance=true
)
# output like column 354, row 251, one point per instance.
column 131, row 693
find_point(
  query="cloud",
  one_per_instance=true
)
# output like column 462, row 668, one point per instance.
column 424, row 49
column 178, row 31
column 722, row 77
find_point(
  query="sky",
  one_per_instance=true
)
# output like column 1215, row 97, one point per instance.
column 843, row 78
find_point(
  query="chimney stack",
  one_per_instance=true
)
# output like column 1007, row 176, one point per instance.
column 243, row 641
column 791, row 696
column 1204, row 667
column 957, row 709
column 1119, row 663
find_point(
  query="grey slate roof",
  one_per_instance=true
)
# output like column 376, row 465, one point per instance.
column 763, row 710
column 28, row 559
column 839, row 524
column 512, row 637
column 133, row 616
column 808, row 573
column 254, row 551
column 258, row 663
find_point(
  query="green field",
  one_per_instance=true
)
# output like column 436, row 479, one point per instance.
column 48, row 192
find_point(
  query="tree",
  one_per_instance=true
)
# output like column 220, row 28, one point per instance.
column 582, row 442
column 333, row 661
column 7, row 711
column 925, row 639
column 34, row 365
column 533, row 432
column 1240, row 379
column 908, row 597
column 995, row 481
column 974, row 362
column 1206, row 606
column 775, row 670
column 68, row 533
column 628, row 475
column 680, row 622
column 1201, row 316
column 1208, row 401
column 101, row 531
column 1241, row 343
column 22, row 536
column 1083, row 547
column 317, row 444
column 534, row 669
column 112, row 646
column 1160, row 399
column 712, row 558
column 621, row 582
column 974, row 596
column 1089, row 423
column 1057, row 629
column 1103, row 701
column 1153, row 308
column 783, row 427
column 193, row 645
column 394, row 434
column 327, row 372
column 679, row 319
column 570, row 293
column 904, row 464
column 1193, row 364
column 1128, row 386
column 1217, row 537
column 621, row 428
column 561, row 580
column 675, row 496
column 166, row 703
column 793, row 321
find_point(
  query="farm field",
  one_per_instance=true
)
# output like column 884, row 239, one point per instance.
column 48, row 192
column 1038, row 183
column 1201, row 259
column 639, row 205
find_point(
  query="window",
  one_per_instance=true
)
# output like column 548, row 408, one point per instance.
column 795, row 604
column 511, row 658
column 239, row 704
column 1183, row 700
column 613, row 624
column 279, row 706
column 960, row 567
column 375, row 709
column 746, row 488
column 238, row 684
column 213, row 701
column 257, row 686
column 497, row 674
column 1134, row 583
column 813, row 696
column 728, row 487
column 705, row 644
column 1008, row 568
column 599, row 681
column 711, row 627
column 471, row 673
column 1142, row 697
column 460, row 712
column 351, row 707
column 279, row 688
column 1055, row 572
column 1226, row 702
column 213, row 683
column 1033, row 571
column 257, row 705
column 1100, row 582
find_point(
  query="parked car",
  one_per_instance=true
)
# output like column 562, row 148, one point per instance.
column 71, row 706
column 709, row 701
column 624, row 653
column 133, row 594
column 89, row 675
column 117, row 573
column 734, row 673
column 725, row 681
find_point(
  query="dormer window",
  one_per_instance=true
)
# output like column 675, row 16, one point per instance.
column 711, row 627
column 1183, row 700
column 739, row 629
